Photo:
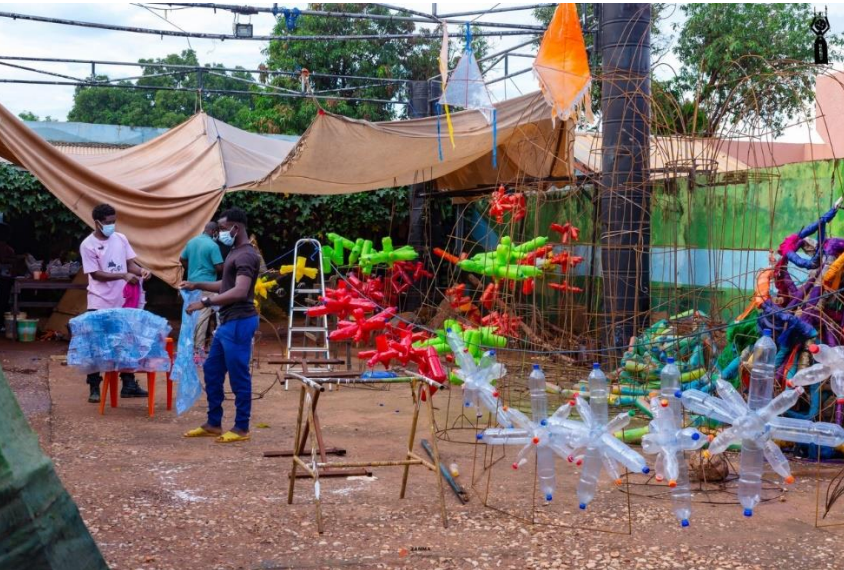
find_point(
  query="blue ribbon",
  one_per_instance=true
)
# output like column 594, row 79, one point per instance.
column 439, row 134
column 495, row 138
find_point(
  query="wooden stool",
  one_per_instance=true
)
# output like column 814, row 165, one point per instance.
column 110, row 386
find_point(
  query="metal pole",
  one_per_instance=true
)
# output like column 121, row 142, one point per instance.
column 625, row 187
column 419, row 107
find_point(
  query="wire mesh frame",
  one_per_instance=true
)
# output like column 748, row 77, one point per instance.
column 706, row 488
column 482, row 475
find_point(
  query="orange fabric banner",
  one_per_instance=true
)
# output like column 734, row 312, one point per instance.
column 561, row 65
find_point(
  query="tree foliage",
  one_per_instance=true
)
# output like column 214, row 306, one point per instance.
column 743, row 66
column 747, row 64
column 39, row 219
column 150, row 107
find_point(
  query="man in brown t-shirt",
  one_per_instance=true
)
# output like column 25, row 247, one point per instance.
column 231, row 349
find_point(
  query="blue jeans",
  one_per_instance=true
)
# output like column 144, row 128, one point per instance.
column 231, row 351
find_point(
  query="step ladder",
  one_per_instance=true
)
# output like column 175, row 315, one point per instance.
column 314, row 329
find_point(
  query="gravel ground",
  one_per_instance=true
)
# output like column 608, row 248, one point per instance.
column 154, row 500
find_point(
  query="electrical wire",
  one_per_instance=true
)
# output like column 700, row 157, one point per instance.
column 223, row 37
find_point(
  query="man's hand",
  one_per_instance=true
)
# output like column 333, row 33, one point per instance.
column 196, row 306
column 187, row 286
column 145, row 274
column 130, row 278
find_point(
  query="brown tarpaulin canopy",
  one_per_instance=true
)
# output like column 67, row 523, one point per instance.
column 165, row 190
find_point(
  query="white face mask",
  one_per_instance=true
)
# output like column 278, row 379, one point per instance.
column 107, row 229
column 226, row 238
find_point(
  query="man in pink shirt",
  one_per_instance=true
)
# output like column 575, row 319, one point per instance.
column 109, row 262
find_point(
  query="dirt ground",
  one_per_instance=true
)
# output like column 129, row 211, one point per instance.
column 154, row 500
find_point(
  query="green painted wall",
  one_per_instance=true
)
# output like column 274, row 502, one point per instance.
column 718, row 232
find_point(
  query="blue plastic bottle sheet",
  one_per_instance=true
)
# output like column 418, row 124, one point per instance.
column 112, row 340
column 188, row 387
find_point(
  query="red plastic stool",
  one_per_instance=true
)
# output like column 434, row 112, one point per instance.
column 110, row 386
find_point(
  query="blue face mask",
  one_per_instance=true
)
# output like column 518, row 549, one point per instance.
column 107, row 229
column 226, row 238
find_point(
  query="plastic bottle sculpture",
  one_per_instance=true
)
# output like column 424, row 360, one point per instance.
column 829, row 364
column 361, row 328
column 593, row 436
column 546, row 436
column 461, row 302
column 756, row 423
column 503, row 262
column 670, row 441
column 263, row 286
column 478, row 379
column 388, row 349
column 564, row 287
column 340, row 302
column 336, row 252
column 505, row 325
column 501, row 202
column 567, row 232
column 475, row 339
column 299, row 270
column 372, row 288
column 387, row 256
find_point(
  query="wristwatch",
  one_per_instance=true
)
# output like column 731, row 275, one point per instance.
column 206, row 301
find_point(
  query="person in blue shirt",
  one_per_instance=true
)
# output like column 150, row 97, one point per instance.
column 203, row 262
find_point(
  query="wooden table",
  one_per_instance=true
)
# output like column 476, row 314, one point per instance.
column 315, row 463
column 22, row 283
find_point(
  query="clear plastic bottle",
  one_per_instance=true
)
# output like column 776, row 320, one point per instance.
column 751, row 466
column 762, row 372
column 454, row 470
column 827, row 355
column 545, row 471
column 598, row 395
column 752, row 461
column 804, row 431
column 538, row 397
column 681, row 495
column 591, row 470
column 669, row 380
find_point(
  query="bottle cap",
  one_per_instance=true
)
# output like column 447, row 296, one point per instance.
column 695, row 436
column 669, row 360
column 536, row 367
column 548, row 497
column 596, row 366
column 748, row 512
column 582, row 506
column 766, row 332
column 492, row 352
column 684, row 523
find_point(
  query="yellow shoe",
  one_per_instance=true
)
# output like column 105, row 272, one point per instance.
column 200, row 432
column 231, row 437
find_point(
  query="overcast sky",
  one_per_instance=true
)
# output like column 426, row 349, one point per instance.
column 23, row 38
